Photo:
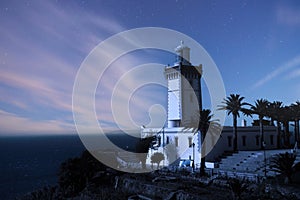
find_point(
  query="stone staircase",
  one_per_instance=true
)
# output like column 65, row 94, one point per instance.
column 252, row 162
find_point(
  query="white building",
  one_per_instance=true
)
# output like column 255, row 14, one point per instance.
column 184, row 99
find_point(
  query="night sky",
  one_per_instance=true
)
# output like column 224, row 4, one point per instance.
column 255, row 44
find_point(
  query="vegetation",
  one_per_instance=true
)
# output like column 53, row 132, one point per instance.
column 284, row 163
column 46, row 193
column 75, row 174
column 234, row 104
column 172, row 153
column 260, row 108
column 142, row 148
column 295, row 107
column 237, row 187
column 106, row 184
column 157, row 157
column 78, row 175
column 201, row 123
column 275, row 113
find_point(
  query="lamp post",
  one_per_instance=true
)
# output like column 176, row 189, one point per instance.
column 193, row 164
column 163, row 131
column 265, row 158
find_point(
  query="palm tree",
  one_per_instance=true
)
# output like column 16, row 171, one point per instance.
column 260, row 108
column 286, row 117
column 234, row 105
column 274, row 112
column 295, row 107
column 284, row 163
column 237, row 187
column 201, row 123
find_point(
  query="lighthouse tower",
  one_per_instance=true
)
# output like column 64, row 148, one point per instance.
column 184, row 88
column 184, row 100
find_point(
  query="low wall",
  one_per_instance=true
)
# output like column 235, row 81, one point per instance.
column 153, row 191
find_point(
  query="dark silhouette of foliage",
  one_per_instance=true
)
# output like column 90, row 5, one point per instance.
column 275, row 112
column 260, row 108
column 295, row 108
column 75, row 173
column 237, row 187
column 284, row 163
column 286, row 117
column 171, row 152
column 157, row 157
column 46, row 193
column 142, row 147
column 202, row 122
column 234, row 104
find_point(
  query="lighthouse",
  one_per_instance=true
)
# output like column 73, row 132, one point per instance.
column 184, row 101
column 184, row 88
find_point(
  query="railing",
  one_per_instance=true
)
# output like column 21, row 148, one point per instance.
column 241, row 175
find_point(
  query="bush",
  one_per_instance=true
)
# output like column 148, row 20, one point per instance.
column 75, row 173
column 157, row 157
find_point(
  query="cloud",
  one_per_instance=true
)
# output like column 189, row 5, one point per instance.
column 12, row 123
column 131, row 105
column 293, row 74
column 39, row 90
column 288, row 15
column 42, row 49
column 278, row 71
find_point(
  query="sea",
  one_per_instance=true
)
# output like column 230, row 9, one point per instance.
column 28, row 163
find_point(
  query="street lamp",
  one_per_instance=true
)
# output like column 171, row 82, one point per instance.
column 193, row 164
column 265, row 159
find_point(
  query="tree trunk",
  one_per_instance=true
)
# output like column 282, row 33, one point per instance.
column 295, row 131
column 235, row 144
column 286, row 134
column 202, row 166
column 298, row 132
column 261, row 130
column 278, row 134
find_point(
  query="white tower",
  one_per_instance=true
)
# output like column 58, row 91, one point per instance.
column 184, row 88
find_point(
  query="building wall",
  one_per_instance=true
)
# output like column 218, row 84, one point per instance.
column 248, row 139
column 175, row 138
column 174, row 96
column 177, row 144
column 184, row 93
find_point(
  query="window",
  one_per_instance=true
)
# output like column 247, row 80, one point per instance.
column 244, row 140
column 257, row 140
column 272, row 139
column 176, row 141
column 190, row 141
column 229, row 141
column 168, row 140
column 159, row 140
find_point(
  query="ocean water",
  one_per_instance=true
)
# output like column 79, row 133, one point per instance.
column 29, row 163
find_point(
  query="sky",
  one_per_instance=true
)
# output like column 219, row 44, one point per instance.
column 255, row 45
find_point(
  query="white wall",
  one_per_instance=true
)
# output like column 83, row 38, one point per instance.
column 250, row 133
